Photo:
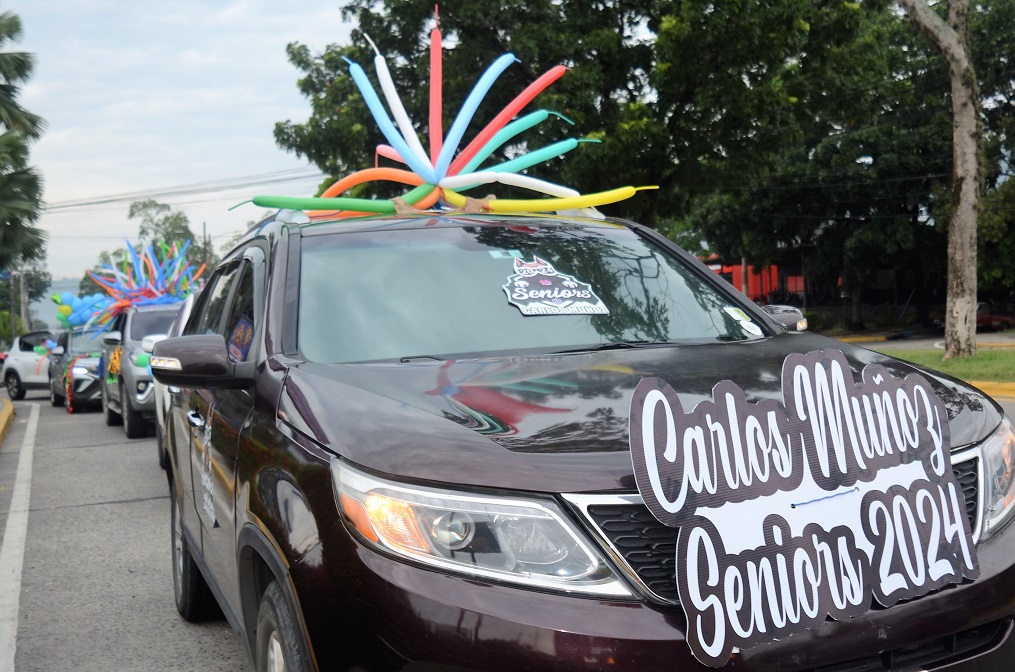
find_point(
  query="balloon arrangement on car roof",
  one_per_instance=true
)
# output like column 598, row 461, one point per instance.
column 441, row 176
column 155, row 276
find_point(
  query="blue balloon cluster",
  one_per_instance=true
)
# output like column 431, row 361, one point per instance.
column 76, row 311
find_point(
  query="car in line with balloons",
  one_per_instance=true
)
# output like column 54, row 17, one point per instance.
column 74, row 369
column 125, row 381
column 436, row 432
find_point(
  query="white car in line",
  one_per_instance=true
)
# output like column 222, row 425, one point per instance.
column 23, row 367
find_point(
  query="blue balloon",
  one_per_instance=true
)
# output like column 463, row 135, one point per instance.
column 67, row 298
column 391, row 134
column 465, row 115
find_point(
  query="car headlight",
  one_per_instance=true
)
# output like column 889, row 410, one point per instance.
column 998, row 479
column 801, row 325
column 518, row 540
column 78, row 370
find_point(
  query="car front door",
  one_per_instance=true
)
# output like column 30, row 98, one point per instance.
column 218, row 418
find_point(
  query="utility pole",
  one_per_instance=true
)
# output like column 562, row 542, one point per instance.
column 26, row 323
column 14, row 324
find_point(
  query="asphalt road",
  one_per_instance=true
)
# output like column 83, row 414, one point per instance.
column 95, row 590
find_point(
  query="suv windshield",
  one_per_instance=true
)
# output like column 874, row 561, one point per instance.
column 146, row 323
column 84, row 342
column 447, row 291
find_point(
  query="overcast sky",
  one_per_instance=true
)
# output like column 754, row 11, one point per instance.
column 141, row 98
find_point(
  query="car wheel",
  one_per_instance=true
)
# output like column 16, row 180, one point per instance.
column 160, row 446
column 194, row 599
column 13, row 384
column 112, row 417
column 277, row 648
column 55, row 399
column 134, row 424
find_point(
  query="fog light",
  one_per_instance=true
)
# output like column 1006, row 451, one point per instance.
column 142, row 386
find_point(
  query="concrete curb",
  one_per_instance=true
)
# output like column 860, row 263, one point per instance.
column 861, row 339
column 996, row 390
column 6, row 415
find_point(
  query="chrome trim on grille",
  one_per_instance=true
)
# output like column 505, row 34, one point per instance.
column 974, row 453
column 582, row 502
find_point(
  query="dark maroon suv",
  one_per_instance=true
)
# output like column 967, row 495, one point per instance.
column 487, row 442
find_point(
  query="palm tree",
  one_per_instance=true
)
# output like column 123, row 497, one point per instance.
column 15, row 69
column 20, row 196
column 20, row 185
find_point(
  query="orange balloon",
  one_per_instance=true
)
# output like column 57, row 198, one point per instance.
column 366, row 175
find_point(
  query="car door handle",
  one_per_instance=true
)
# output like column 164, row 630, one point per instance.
column 195, row 420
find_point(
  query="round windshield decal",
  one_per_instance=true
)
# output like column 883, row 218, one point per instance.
column 536, row 288
column 744, row 319
column 751, row 328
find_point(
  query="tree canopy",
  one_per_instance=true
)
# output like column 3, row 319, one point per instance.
column 157, row 223
column 814, row 133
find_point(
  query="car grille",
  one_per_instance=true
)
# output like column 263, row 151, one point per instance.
column 648, row 548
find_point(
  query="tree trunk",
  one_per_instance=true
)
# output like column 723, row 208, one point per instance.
column 952, row 39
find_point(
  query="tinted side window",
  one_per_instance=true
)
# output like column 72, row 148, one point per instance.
column 210, row 320
column 240, row 323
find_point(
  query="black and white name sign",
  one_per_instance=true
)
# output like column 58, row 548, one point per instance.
column 790, row 512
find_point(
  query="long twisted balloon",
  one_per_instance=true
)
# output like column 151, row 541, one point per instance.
column 442, row 174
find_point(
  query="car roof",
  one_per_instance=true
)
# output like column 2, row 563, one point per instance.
column 273, row 225
column 148, row 307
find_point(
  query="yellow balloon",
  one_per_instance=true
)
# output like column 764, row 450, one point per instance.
column 64, row 310
column 508, row 205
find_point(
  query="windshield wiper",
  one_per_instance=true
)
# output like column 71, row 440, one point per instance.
column 621, row 345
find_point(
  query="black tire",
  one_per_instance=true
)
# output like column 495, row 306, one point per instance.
column 13, row 384
column 55, row 400
column 277, row 639
column 194, row 600
column 112, row 417
column 134, row 424
column 160, row 446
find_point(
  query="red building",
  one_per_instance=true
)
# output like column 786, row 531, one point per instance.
column 764, row 284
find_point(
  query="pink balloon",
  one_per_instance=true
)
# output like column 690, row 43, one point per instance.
column 436, row 91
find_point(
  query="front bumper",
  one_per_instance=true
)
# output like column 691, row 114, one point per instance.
column 85, row 389
column 140, row 390
column 413, row 618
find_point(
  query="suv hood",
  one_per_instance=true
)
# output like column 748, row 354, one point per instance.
column 552, row 423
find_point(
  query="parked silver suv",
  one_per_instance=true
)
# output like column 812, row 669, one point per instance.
column 127, row 392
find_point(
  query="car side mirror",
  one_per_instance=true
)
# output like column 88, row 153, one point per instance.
column 112, row 338
column 148, row 342
column 198, row 361
column 58, row 350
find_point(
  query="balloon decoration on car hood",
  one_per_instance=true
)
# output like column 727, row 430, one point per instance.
column 441, row 175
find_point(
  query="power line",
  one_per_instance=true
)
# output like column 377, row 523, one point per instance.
column 193, row 189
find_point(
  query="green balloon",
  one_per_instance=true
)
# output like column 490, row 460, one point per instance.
column 143, row 359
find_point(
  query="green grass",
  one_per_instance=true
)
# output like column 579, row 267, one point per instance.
column 991, row 365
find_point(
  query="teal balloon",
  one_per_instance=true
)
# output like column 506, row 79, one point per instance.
column 516, row 127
